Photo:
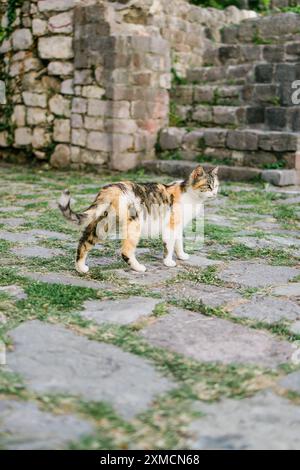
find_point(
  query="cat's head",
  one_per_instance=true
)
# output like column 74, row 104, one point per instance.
column 204, row 184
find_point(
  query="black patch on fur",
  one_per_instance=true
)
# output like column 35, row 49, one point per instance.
column 151, row 194
column 125, row 258
column 121, row 186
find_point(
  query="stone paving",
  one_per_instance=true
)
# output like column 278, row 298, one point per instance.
column 117, row 359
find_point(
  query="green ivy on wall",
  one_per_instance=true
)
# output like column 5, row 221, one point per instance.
column 5, row 32
column 11, row 12
column 221, row 4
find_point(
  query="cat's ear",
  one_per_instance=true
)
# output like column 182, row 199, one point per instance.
column 215, row 171
column 197, row 173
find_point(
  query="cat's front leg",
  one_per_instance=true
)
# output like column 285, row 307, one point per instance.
column 179, row 250
column 169, row 244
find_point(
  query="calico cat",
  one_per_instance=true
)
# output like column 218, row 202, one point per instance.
column 136, row 210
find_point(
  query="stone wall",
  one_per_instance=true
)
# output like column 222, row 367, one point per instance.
column 87, row 81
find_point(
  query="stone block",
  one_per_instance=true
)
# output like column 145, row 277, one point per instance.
column 121, row 142
column 279, row 141
column 4, row 141
column 122, row 126
column 281, row 177
column 62, row 130
column 40, row 138
column 76, row 121
column 67, row 87
column 61, row 156
column 19, row 115
column 264, row 73
column 202, row 114
column 273, row 53
column 97, row 107
column 35, row 99
column 171, row 138
column 61, row 23
column 22, row 39
column 276, row 118
column 94, row 123
column 60, row 68
column 23, row 136
column 129, row 161
column 215, row 137
column 39, row 27
column 92, row 91
column 119, row 110
column 193, row 140
column 36, row 116
column 78, row 137
column 285, row 73
column 55, row 5
column 79, row 105
column 99, row 141
column 239, row 140
column 55, row 47
column 60, row 106
column 83, row 77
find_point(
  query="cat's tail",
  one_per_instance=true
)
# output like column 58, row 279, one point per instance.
column 65, row 207
column 97, row 210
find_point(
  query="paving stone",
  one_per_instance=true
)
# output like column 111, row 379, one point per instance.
column 285, row 241
column 213, row 296
column 295, row 328
column 39, row 233
column 289, row 290
column 67, row 280
column 263, row 422
column 12, row 221
column 102, row 261
column 268, row 309
column 10, row 209
column 266, row 226
column 123, row 311
column 291, row 200
column 18, row 237
column 253, row 274
column 201, row 261
column 36, row 251
column 253, row 242
column 291, row 381
column 14, row 291
column 24, row 427
column 218, row 220
column 52, row 359
column 209, row 339
column 155, row 275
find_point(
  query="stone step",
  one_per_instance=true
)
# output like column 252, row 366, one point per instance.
column 278, row 72
column 181, row 169
column 277, row 28
column 248, row 147
column 207, row 94
column 234, row 54
column 206, row 115
column 263, row 114
column 231, row 75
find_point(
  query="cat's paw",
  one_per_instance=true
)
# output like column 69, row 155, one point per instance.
column 139, row 268
column 82, row 268
column 170, row 263
column 183, row 256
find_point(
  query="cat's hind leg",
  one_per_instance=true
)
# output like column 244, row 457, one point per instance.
column 131, row 238
column 86, row 243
